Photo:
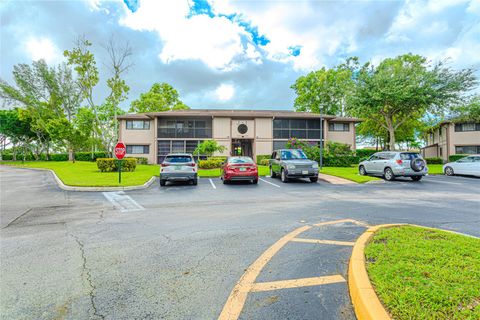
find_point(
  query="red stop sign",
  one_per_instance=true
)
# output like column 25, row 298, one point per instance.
column 120, row 150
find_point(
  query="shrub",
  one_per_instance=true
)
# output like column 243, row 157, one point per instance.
column 106, row 164
column 7, row 156
column 58, row 157
column 111, row 164
column 455, row 157
column 340, row 161
column 142, row 160
column 265, row 162
column 365, row 153
column 434, row 160
column 210, row 163
column 262, row 157
column 87, row 156
column 128, row 164
column 209, row 147
column 222, row 158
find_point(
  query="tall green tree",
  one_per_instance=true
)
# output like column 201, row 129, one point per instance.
column 326, row 90
column 84, row 63
column 17, row 129
column 405, row 88
column 160, row 97
column 469, row 111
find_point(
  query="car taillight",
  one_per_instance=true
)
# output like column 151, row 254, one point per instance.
column 164, row 164
column 399, row 161
column 192, row 164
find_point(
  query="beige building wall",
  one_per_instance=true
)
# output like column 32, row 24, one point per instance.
column 469, row 138
column 139, row 137
column 221, row 128
column 263, row 128
column 347, row 137
column 250, row 134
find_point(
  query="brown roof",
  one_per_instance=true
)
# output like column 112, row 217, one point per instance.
column 236, row 114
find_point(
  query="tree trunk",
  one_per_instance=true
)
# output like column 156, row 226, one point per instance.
column 14, row 151
column 391, row 133
column 71, row 155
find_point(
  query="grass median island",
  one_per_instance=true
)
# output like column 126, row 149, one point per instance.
column 86, row 174
column 349, row 173
column 421, row 273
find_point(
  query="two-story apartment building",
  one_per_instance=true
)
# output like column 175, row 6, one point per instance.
column 154, row 135
column 453, row 138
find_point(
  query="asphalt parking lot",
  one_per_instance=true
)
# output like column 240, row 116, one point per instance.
column 177, row 252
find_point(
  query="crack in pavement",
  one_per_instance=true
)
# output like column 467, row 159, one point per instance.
column 87, row 277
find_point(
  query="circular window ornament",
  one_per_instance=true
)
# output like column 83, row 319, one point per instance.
column 242, row 128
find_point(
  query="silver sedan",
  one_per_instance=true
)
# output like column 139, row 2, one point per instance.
column 465, row 166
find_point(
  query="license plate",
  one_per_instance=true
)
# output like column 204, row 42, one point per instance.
column 177, row 168
column 243, row 169
column 305, row 172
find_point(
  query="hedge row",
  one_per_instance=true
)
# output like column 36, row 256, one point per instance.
column 211, row 163
column 262, row 157
column 455, row 157
column 111, row 164
column 79, row 156
column 434, row 160
column 365, row 153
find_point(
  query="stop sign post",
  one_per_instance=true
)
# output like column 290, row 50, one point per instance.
column 120, row 151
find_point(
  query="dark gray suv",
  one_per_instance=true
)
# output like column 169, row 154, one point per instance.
column 292, row 163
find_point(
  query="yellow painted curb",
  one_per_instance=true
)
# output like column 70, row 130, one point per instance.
column 365, row 301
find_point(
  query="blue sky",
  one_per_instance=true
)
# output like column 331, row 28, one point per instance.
column 238, row 54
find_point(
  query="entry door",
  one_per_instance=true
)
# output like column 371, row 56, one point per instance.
column 247, row 149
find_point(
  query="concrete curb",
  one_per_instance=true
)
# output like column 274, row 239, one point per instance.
column 63, row 186
column 365, row 301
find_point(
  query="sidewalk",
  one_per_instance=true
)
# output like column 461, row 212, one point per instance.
column 333, row 179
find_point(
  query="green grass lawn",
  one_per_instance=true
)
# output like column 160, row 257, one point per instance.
column 421, row 273
column 83, row 174
column 435, row 169
column 349, row 173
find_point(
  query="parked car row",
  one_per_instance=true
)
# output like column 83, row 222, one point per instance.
column 293, row 163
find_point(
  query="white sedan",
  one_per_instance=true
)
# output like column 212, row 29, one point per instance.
column 466, row 166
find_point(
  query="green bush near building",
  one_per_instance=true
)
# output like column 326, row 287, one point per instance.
column 262, row 157
column 455, row 157
column 434, row 160
column 210, row 163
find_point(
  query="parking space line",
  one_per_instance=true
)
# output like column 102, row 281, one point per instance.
column 296, row 283
column 122, row 201
column 213, row 185
column 338, row 243
column 273, row 184
column 236, row 300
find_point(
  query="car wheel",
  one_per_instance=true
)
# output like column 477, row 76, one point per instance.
column 272, row 173
column 362, row 171
column 162, row 183
column 416, row 178
column 449, row 171
column 314, row 179
column 255, row 181
column 283, row 176
column 195, row 182
column 389, row 176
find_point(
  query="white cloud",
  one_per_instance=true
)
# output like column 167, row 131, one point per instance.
column 215, row 41
column 225, row 92
column 42, row 48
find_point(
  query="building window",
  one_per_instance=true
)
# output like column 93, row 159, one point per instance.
column 138, row 125
column 467, row 149
column 296, row 128
column 138, row 149
column 177, row 146
column 338, row 126
column 465, row 127
column 184, row 127
column 441, row 151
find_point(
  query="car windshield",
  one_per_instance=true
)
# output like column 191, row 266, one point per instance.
column 409, row 155
column 178, row 159
column 293, row 154
column 240, row 160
